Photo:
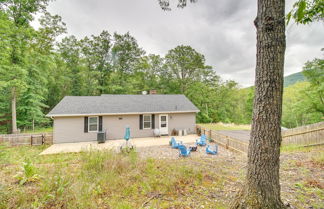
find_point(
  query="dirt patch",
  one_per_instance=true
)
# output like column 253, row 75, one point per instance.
column 166, row 152
column 302, row 178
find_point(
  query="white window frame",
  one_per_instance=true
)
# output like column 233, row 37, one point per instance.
column 147, row 121
column 93, row 123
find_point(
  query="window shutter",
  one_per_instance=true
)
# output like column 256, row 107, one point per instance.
column 141, row 122
column 100, row 123
column 153, row 121
column 85, row 124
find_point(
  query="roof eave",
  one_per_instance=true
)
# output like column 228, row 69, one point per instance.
column 126, row 113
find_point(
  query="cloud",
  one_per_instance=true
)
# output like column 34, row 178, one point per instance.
column 222, row 30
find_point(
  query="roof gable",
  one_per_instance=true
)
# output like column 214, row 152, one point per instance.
column 110, row 104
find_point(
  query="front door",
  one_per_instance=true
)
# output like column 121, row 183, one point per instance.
column 164, row 125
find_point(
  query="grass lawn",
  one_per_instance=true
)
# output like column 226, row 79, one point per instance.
column 103, row 179
column 225, row 126
column 39, row 130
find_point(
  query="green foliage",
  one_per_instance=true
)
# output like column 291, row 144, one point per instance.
column 104, row 64
column 306, row 11
column 22, row 66
column 22, row 11
column 39, row 71
column 40, row 130
column 298, row 108
column 224, row 126
column 314, row 72
column 27, row 174
column 303, row 103
column 55, row 188
column 186, row 65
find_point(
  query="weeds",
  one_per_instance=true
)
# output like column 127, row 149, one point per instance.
column 292, row 148
column 27, row 174
column 300, row 148
column 310, row 182
column 105, row 179
column 318, row 159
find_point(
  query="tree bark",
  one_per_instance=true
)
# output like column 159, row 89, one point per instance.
column 262, row 188
column 13, row 110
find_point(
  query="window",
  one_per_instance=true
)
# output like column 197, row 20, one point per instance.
column 163, row 121
column 93, row 124
column 147, row 120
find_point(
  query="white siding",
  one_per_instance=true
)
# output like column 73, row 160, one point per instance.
column 71, row 129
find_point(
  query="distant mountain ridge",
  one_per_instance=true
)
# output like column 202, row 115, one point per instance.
column 290, row 79
column 293, row 78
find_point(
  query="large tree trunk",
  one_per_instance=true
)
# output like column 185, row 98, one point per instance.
column 13, row 110
column 262, row 188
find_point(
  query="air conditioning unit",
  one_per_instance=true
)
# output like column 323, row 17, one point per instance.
column 101, row 137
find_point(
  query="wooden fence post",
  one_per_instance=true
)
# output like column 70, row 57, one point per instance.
column 31, row 140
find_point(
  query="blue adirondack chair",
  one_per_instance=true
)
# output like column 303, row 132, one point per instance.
column 174, row 143
column 202, row 141
column 210, row 151
column 183, row 151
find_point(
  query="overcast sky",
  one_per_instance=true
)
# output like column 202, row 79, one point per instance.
column 222, row 30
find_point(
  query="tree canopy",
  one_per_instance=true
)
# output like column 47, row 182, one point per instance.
column 38, row 71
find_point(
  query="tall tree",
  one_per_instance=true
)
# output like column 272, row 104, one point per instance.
column 69, row 50
column 126, row 52
column 5, row 32
column 126, row 55
column 39, row 55
column 262, row 188
column 96, row 52
column 147, row 73
column 186, row 65
column 21, row 13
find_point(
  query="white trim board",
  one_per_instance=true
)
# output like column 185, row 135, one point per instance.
column 126, row 113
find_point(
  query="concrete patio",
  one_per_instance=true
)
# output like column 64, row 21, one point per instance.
column 115, row 144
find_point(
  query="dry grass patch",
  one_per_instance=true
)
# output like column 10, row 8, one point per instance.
column 225, row 126
column 104, row 179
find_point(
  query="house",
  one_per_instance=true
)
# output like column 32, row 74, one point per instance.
column 79, row 118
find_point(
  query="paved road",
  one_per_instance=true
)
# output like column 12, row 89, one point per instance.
column 240, row 135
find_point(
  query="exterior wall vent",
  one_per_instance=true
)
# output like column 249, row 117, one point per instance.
column 153, row 91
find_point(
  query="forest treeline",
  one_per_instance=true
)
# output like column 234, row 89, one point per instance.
column 37, row 71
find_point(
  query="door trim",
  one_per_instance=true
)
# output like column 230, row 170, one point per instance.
column 164, row 130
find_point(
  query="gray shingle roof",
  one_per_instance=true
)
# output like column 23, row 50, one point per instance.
column 122, row 104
